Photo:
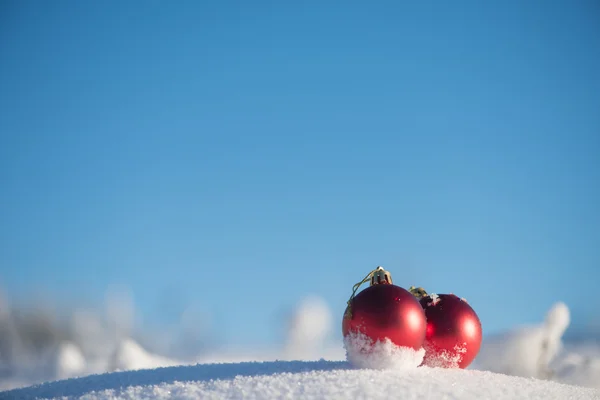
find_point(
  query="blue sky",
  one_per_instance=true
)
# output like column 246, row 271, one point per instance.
column 240, row 155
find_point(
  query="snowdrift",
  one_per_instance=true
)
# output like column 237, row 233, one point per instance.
column 302, row 380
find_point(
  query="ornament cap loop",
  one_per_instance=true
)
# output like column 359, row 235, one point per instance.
column 381, row 277
column 418, row 292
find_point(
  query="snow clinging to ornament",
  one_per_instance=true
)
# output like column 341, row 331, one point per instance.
column 385, row 325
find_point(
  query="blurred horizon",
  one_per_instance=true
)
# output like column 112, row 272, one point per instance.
column 190, row 331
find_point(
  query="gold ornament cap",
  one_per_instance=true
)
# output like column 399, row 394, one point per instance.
column 381, row 277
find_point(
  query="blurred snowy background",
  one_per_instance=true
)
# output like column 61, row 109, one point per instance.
column 39, row 343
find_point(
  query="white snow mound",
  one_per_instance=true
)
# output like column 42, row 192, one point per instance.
column 129, row 355
column 302, row 380
column 68, row 361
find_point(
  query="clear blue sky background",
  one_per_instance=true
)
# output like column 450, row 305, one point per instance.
column 243, row 154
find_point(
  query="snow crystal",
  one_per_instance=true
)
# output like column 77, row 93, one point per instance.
column 444, row 358
column 435, row 299
column 362, row 352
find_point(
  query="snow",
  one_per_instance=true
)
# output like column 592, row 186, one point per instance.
column 446, row 359
column 362, row 352
column 435, row 299
column 302, row 380
column 527, row 351
column 68, row 361
column 309, row 326
column 131, row 356
column 529, row 362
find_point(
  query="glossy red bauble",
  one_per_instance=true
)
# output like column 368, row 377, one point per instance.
column 454, row 331
column 386, row 311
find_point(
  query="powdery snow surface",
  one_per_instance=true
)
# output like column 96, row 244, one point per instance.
column 302, row 380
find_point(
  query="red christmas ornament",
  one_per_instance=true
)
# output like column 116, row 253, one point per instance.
column 384, row 310
column 454, row 333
